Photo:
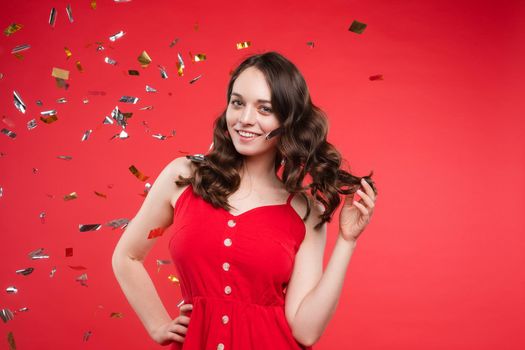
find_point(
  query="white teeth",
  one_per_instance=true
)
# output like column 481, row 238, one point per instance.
column 246, row 134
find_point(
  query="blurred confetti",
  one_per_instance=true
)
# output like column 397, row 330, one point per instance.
column 88, row 227
column 12, row 28
column 144, row 59
column 137, row 173
column 11, row 290
column 87, row 335
column 150, row 89
column 311, row 44
column 11, row 341
column 71, row 196
column 77, row 267
column 110, row 61
column 19, row 104
column 129, row 99
column 118, row 223
column 173, row 278
column 69, row 13
column 60, row 73
column 25, row 272
column 376, row 77
column 243, row 45
column 38, row 254
column 180, row 65
column 82, row 279
column 20, row 48
column 6, row 315
column 116, row 315
column 357, row 27
column 68, row 52
column 116, row 36
column 52, row 17
column 69, row 252
column 198, row 57
column 195, row 79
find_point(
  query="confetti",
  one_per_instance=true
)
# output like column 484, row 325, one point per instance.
column 68, row 52
column 150, row 89
column 13, row 28
column 144, row 59
column 197, row 158
column 163, row 73
column 88, row 227
column 8, row 132
column 100, row 194
column 198, row 57
column 129, row 99
column 93, row 4
column 376, row 77
column 118, row 223
column 173, row 278
column 137, row 173
column 11, row 289
column 61, row 83
column 86, row 135
column 52, row 17
column 118, row 116
column 116, row 36
column 6, row 315
column 79, row 67
column 145, row 108
column 20, row 48
column 69, row 252
column 71, row 196
column 87, row 335
column 357, row 27
column 52, row 273
column 31, row 124
column 50, row 119
column 61, row 100
column 195, row 79
column 25, row 272
column 78, row 267
column 110, row 61
column 19, row 104
column 38, row 254
column 161, row 137
column 156, row 232
column 82, row 279
column 162, row 262
column 65, row 157
column 116, row 315
column 243, row 45
column 311, row 44
column 49, row 112
column 174, row 42
column 133, row 72
column 180, row 65
column 42, row 216
column 11, row 341
column 69, row 13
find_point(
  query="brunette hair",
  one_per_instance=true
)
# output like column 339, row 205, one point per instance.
column 302, row 146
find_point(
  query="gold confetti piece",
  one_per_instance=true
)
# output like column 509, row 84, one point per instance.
column 116, row 315
column 198, row 57
column 52, row 17
column 25, row 272
column 311, row 44
column 79, row 67
column 116, row 36
column 173, row 278
column 69, row 13
column 11, row 341
column 20, row 48
column 19, row 104
column 69, row 252
column 13, row 28
column 68, row 52
column 376, row 77
column 77, row 267
column 144, row 59
column 50, row 119
column 156, row 232
column 175, row 41
column 357, row 27
column 11, row 290
column 180, row 65
column 89, row 227
column 6, row 315
column 133, row 72
column 72, row 195
column 138, row 174
column 243, row 44
column 195, row 79
column 65, row 157
column 100, row 194
column 87, row 335
column 93, row 4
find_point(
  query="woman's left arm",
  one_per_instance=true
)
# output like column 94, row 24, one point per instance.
column 312, row 295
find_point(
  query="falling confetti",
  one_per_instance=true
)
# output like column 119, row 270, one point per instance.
column 118, row 223
column 69, row 252
column 197, row 158
column 144, row 59
column 163, row 73
column 79, row 67
column 129, row 99
column 195, row 79
column 9, row 133
column 69, row 13
column 243, row 45
column 13, row 28
column 20, row 48
column 357, row 27
column 100, row 194
column 11, row 341
column 82, row 279
column 180, row 65
column 137, row 173
column 11, row 290
column 174, row 42
column 6, row 315
column 376, row 77
column 133, row 72
column 71, row 196
column 38, row 254
column 311, row 44
column 198, row 57
column 110, row 61
column 77, row 267
column 116, row 315
column 68, row 52
column 173, row 278
column 25, row 272
column 150, row 89
column 19, row 104
column 87, row 335
column 88, row 227
column 116, row 36
column 86, row 135
column 52, row 17
column 93, row 4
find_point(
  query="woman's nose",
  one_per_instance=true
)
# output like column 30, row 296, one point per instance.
column 248, row 115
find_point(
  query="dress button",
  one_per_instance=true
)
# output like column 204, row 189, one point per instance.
column 231, row 223
column 220, row 346
column 227, row 289
column 225, row 319
column 227, row 242
column 226, row 266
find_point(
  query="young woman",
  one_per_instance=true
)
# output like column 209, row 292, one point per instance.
column 248, row 250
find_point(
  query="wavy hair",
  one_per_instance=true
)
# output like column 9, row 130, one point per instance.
column 302, row 148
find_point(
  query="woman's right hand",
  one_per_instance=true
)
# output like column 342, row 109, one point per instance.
column 174, row 330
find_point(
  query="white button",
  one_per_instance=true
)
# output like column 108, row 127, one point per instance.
column 227, row 289
column 225, row 319
column 220, row 346
column 225, row 266
column 231, row 223
column 227, row 242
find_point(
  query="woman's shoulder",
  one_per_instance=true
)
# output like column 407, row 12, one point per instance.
column 180, row 166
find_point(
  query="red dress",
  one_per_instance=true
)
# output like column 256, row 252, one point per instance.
column 234, row 270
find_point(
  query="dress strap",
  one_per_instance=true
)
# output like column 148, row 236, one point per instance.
column 289, row 200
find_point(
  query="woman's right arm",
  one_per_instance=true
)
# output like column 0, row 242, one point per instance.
column 134, row 245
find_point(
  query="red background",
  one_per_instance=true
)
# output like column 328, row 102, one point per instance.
column 441, row 263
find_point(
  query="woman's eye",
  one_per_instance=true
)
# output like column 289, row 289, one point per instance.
column 267, row 109
column 235, row 101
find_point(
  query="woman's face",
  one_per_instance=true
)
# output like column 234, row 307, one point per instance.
column 250, row 110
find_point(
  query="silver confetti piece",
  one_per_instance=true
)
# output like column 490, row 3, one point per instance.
column 19, row 104
column 23, row 309
column 11, row 289
column 87, row 335
column 163, row 73
column 52, row 273
column 62, row 100
column 129, row 99
column 8, row 132
column 118, row 116
column 116, row 36
column 65, row 157
column 117, row 223
column 82, row 279
column 88, row 227
column 39, row 103
column 150, row 89
column 195, row 79
column 86, row 135
column 159, row 136
column 31, row 124
column 197, row 158
column 49, row 112
column 6, row 315
column 107, row 120
column 145, row 108
column 38, row 254
column 69, row 13
column 25, row 272
column 52, row 17
column 123, row 134
column 110, row 61
column 20, row 48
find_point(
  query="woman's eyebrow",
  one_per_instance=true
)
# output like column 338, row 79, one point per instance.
column 259, row 100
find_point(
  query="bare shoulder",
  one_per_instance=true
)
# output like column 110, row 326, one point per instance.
column 317, row 208
column 179, row 166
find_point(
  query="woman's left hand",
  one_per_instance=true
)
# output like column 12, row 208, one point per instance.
column 355, row 215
